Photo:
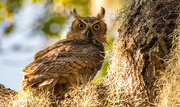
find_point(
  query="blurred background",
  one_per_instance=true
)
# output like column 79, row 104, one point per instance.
column 27, row 26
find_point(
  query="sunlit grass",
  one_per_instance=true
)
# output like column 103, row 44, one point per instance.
column 33, row 98
column 170, row 81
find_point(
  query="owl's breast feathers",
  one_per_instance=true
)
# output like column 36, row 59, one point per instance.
column 64, row 63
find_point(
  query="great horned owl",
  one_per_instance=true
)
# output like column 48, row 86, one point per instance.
column 70, row 61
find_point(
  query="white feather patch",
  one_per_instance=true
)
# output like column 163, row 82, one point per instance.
column 46, row 82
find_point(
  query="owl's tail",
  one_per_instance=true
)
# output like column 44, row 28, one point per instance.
column 39, row 81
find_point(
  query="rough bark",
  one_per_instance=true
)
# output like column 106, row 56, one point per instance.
column 147, row 37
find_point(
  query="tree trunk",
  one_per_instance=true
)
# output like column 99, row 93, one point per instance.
column 147, row 35
column 145, row 38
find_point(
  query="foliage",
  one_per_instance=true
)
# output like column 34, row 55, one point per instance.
column 8, row 7
column 57, row 12
column 102, row 73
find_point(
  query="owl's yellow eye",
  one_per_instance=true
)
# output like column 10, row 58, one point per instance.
column 81, row 26
column 97, row 27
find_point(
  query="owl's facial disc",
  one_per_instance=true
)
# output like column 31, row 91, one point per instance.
column 89, row 33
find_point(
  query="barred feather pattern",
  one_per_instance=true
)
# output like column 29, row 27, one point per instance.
column 64, row 64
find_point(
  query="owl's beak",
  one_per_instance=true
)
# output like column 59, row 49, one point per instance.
column 89, row 33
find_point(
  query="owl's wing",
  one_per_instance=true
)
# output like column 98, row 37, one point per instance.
column 65, row 59
column 49, row 48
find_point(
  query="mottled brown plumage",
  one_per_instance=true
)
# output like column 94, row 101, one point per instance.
column 71, row 61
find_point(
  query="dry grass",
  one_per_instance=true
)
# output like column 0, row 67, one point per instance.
column 118, row 74
column 84, row 96
column 170, row 81
column 33, row 98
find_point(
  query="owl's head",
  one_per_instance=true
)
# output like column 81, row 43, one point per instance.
column 88, row 28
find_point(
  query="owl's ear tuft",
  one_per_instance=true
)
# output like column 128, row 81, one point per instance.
column 75, row 13
column 101, row 14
